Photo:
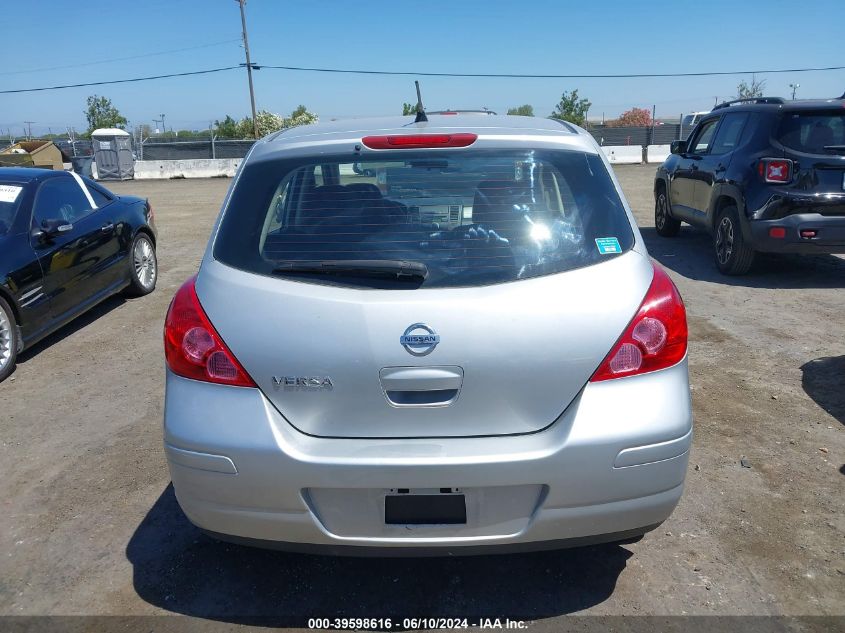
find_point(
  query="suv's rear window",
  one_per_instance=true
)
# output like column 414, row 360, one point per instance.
column 812, row 132
column 470, row 217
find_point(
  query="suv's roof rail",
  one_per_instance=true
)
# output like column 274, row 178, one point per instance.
column 726, row 104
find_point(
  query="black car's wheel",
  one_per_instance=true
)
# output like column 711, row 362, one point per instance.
column 666, row 225
column 734, row 255
column 144, row 266
column 8, row 340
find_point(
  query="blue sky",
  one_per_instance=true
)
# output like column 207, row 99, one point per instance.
column 539, row 37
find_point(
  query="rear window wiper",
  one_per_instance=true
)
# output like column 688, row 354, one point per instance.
column 398, row 268
column 835, row 148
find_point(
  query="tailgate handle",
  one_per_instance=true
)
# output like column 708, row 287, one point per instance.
column 421, row 386
column 421, row 378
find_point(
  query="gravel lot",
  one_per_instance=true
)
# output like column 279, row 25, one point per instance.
column 89, row 523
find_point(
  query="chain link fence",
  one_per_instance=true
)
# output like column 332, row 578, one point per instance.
column 657, row 135
column 159, row 148
column 199, row 148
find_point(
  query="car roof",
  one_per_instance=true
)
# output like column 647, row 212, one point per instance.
column 503, row 126
column 785, row 106
column 26, row 174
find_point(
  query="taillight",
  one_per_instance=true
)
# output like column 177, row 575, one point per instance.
column 192, row 346
column 420, row 141
column 656, row 338
column 777, row 170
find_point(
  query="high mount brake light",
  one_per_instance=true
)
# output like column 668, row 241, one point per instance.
column 655, row 338
column 776, row 170
column 192, row 346
column 420, row 141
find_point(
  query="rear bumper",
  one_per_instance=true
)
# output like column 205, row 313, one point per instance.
column 611, row 467
column 829, row 237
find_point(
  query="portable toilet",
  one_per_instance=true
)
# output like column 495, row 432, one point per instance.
column 113, row 154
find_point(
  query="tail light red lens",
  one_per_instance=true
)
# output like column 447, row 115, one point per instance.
column 420, row 141
column 656, row 338
column 776, row 170
column 192, row 346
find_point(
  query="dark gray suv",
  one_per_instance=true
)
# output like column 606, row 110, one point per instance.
column 761, row 175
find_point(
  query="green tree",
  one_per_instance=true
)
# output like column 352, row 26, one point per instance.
column 269, row 122
column 523, row 110
column 101, row 113
column 408, row 109
column 571, row 108
column 745, row 90
column 227, row 128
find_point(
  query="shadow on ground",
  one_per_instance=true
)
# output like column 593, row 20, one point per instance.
column 84, row 320
column 690, row 254
column 176, row 567
column 823, row 380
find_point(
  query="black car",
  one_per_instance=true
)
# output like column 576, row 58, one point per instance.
column 761, row 175
column 66, row 243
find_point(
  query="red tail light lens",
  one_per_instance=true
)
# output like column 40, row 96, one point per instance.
column 420, row 141
column 777, row 170
column 655, row 339
column 192, row 346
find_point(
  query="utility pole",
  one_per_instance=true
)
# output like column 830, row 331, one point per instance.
column 157, row 121
column 241, row 4
column 29, row 130
column 163, row 126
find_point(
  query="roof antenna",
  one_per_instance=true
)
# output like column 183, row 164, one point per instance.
column 420, row 110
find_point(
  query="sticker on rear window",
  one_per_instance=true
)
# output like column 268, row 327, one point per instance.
column 608, row 245
column 9, row 193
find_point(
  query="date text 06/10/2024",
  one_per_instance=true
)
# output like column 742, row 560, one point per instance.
column 410, row 624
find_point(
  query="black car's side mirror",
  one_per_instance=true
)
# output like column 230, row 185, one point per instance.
column 50, row 228
column 678, row 147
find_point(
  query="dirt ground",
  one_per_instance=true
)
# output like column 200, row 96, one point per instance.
column 89, row 523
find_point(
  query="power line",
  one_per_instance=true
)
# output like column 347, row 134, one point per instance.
column 522, row 76
column 255, row 66
column 122, row 81
column 120, row 59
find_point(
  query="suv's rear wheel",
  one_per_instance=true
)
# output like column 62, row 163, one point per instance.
column 666, row 225
column 734, row 256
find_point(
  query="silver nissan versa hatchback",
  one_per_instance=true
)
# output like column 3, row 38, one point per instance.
column 427, row 337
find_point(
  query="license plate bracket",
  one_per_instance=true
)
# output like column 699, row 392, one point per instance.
column 425, row 509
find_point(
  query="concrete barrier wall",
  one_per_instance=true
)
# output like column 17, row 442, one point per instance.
column 656, row 153
column 193, row 168
column 623, row 154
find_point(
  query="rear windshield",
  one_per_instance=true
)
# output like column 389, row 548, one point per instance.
column 813, row 132
column 10, row 198
column 452, row 218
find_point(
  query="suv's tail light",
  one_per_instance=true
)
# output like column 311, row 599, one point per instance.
column 775, row 169
column 656, row 337
column 420, row 141
column 192, row 346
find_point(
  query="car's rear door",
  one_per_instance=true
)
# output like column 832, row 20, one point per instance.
column 682, row 187
column 528, row 283
column 715, row 161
